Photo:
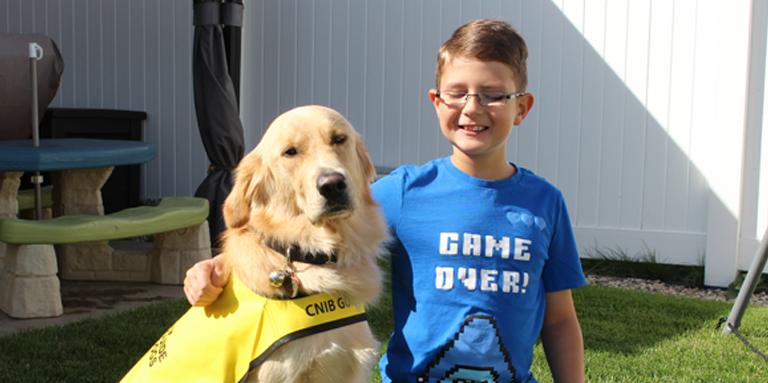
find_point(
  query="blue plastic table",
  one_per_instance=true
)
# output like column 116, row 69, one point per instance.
column 72, row 153
column 79, row 169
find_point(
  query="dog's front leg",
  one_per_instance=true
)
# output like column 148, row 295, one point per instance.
column 349, row 358
column 351, row 374
column 342, row 355
column 276, row 371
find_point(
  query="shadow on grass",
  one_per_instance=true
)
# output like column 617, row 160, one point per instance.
column 87, row 351
column 627, row 321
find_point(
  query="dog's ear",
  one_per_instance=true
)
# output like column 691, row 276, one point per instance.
column 369, row 171
column 251, row 186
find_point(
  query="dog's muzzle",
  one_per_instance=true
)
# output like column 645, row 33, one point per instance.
column 333, row 187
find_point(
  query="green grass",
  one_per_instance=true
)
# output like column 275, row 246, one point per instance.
column 630, row 336
column 633, row 336
column 86, row 351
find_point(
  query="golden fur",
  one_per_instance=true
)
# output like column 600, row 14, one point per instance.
column 276, row 197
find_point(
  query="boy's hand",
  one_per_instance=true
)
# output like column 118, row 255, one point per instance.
column 204, row 281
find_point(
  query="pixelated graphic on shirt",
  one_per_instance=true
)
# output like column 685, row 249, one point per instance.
column 475, row 354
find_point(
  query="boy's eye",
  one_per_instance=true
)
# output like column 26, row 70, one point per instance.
column 338, row 139
column 492, row 97
column 453, row 95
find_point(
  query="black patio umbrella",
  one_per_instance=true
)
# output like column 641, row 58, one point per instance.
column 216, row 78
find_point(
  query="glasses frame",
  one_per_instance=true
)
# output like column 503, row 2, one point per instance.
column 479, row 95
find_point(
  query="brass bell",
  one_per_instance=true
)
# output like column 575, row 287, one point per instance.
column 277, row 278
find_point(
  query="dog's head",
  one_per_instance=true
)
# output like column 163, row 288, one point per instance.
column 310, row 164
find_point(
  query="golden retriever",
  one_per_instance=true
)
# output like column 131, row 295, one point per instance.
column 300, row 221
column 287, row 190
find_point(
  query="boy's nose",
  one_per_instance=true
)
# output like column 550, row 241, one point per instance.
column 472, row 102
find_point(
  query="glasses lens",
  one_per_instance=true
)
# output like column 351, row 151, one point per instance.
column 492, row 99
column 454, row 98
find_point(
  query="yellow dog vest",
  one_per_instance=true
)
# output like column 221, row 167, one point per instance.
column 225, row 340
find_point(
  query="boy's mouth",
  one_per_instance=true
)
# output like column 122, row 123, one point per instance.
column 473, row 128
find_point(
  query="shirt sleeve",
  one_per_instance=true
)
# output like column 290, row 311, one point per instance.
column 563, row 269
column 388, row 192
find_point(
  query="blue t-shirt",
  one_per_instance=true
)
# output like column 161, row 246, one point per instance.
column 471, row 262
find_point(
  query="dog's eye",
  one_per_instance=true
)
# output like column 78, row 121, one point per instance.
column 338, row 139
column 290, row 152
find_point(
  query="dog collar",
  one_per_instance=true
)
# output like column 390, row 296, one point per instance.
column 287, row 279
column 294, row 253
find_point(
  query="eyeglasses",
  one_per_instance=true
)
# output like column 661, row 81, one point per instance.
column 459, row 98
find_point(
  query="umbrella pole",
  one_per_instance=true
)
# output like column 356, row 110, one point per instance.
column 748, row 286
column 35, row 54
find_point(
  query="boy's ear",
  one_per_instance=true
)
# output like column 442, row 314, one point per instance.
column 432, row 94
column 524, row 105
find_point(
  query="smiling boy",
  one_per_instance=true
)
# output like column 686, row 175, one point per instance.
column 484, row 256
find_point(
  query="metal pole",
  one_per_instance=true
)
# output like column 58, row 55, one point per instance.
column 748, row 286
column 35, row 54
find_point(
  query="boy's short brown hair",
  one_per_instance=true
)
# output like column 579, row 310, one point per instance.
column 487, row 40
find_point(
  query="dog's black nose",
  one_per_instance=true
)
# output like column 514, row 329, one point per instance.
column 332, row 186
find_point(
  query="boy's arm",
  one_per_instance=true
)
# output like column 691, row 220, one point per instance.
column 204, row 281
column 562, row 340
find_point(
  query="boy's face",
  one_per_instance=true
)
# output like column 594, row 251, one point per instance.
column 475, row 130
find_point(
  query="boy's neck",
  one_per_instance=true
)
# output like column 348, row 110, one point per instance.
column 494, row 167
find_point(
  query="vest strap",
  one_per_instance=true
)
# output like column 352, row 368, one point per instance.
column 301, row 334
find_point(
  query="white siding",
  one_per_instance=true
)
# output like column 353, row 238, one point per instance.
column 628, row 120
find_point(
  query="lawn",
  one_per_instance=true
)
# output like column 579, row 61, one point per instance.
column 630, row 336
